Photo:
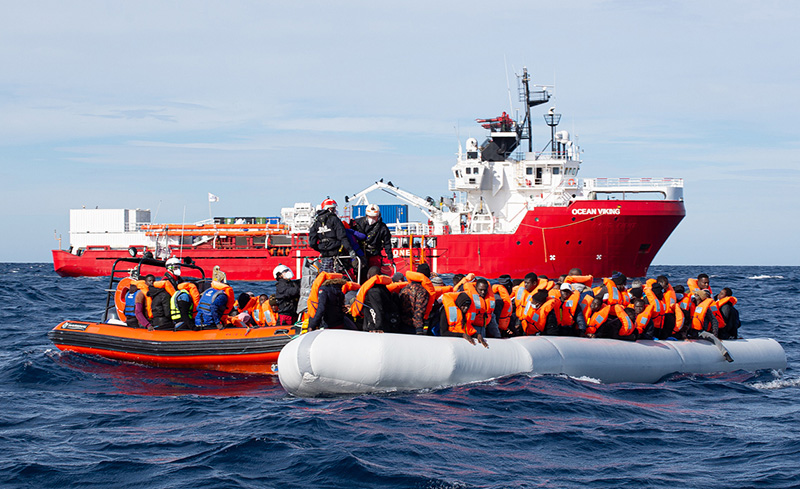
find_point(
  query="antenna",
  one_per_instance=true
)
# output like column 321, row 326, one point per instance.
column 508, row 87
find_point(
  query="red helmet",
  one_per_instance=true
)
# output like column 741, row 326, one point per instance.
column 328, row 204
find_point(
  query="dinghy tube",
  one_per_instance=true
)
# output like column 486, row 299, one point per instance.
column 336, row 362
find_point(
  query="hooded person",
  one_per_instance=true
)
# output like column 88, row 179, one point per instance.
column 414, row 302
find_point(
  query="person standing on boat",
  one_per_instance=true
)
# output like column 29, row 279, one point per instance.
column 287, row 293
column 327, row 235
column 378, row 239
column 414, row 302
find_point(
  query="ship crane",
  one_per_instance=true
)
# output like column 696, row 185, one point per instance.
column 438, row 217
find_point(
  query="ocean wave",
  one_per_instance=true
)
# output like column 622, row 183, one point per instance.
column 765, row 277
column 777, row 384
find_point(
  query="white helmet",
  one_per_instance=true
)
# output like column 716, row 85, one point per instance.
column 174, row 265
column 373, row 210
column 282, row 270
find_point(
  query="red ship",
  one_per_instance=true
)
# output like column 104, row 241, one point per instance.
column 512, row 211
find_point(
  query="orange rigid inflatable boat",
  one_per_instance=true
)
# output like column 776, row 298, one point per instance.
column 234, row 349
column 240, row 350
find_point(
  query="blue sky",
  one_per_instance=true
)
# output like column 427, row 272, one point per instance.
column 155, row 104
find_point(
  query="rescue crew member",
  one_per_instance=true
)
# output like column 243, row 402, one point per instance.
column 211, row 308
column 378, row 237
column 287, row 293
column 218, row 275
column 181, row 310
column 327, row 236
column 173, row 272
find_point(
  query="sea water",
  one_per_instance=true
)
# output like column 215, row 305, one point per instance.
column 78, row 421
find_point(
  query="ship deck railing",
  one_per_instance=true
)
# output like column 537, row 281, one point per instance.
column 632, row 182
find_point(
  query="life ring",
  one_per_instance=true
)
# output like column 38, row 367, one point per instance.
column 571, row 182
column 119, row 296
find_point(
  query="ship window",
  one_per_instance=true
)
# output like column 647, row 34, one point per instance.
column 472, row 181
column 529, row 171
column 475, row 170
column 556, row 171
column 469, row 170
column 644, row 248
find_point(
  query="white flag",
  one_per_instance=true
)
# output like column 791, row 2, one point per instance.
column 212, row 197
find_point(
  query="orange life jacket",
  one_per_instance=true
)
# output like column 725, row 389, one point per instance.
column 455, row 317
column 459, row 287
column 264, row 315
column 358, row 304
column 579, row 279
column 521, row 300
column 505, row 313
column 191, row 289
column 427, row 285
column 396, row 287
column 313, row 296
column 536, row 317
column 643, row 318
column 350, row 286
column 599, row 318
column 566, row 313
column 484, row 306
column 699, row 316
column 694, row 288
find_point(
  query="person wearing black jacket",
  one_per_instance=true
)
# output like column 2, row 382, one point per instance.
column 287, row 293
column 378, row 239
column 330, row 307
column 327, row 235
column 381, row 314
column 162, row 316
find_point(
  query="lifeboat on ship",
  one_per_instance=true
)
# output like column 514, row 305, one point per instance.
column 235, row 348
column 337, row 362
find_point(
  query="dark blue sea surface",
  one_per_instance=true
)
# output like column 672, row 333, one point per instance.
column 76, row 421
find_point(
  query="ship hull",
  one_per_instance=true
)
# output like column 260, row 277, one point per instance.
column 596, row 236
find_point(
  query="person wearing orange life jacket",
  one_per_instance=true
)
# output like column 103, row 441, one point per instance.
column 329, row 312
column 456, row 317
column 654, row 295
column 136, row 306
column 381, row 314
column 643, row 318
column 609, row 321
column 569, row 315
column 540, row 314
column 264, row 312
column 484, row 302
column 503, row 309
column 693, row 286
column 725, row 303
column 687, row 308
column 159, row 305
column 415, row 301
column 524, row 292
column 245, row 304
column 706, row 315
